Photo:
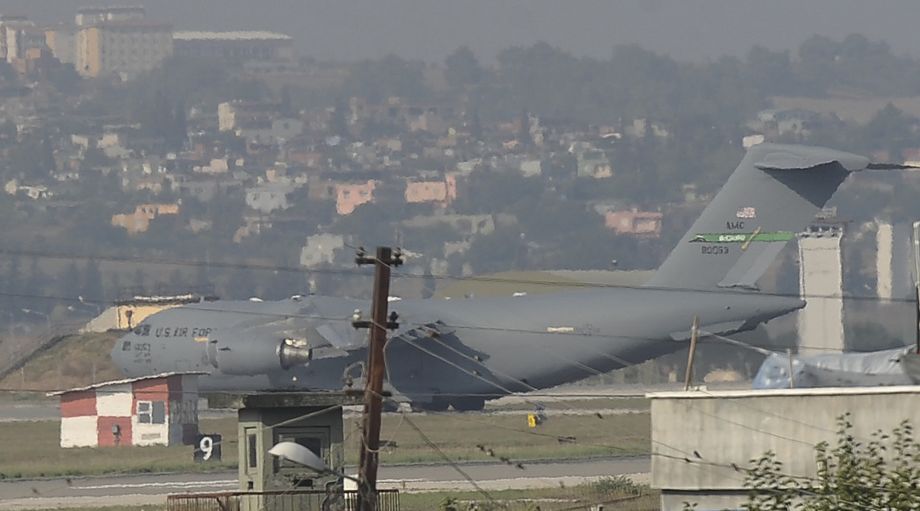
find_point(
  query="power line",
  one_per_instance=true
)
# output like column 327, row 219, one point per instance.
column 290, row 314
column 446, row 458
column 484, row 279
column 693, row 459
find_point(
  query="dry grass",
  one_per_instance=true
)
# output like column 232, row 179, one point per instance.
column 457, row 436
column 72, row 363
column 32, row 448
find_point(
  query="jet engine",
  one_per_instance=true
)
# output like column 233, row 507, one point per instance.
column 245, row 355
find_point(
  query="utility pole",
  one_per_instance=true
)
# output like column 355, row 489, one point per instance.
column 375, row 371
column 694, row 335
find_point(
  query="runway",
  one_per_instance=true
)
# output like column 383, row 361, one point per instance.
column 48, row 409
column 138, row 490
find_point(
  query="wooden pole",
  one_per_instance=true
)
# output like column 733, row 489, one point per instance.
column 791, row 369
column 694, row 336
column 373, row 386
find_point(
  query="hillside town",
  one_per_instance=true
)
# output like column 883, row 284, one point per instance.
column 263, row 156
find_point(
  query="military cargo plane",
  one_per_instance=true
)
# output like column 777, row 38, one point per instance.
column 460, row 353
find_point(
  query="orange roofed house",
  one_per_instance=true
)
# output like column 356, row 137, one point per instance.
column 139, row 220
column 634, row 222
column 349, row 196
column 440, row 192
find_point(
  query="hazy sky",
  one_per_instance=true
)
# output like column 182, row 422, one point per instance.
column 429, row 29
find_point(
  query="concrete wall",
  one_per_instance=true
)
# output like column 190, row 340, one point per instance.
column 717, row 429
column 894, row 261
column 883, row 260
column 820, row 323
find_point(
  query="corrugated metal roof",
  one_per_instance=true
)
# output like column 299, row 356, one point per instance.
column 127, row 380
column 241, row 35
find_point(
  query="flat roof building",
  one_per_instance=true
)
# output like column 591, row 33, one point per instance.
column 704, row 441
column 92, row 15
column 237, row 46
column 125, row 48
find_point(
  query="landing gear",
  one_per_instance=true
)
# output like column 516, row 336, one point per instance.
column 468, row 404
column 435, row 405
column 460, row 404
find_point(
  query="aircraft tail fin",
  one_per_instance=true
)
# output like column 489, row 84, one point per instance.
column 773, row 194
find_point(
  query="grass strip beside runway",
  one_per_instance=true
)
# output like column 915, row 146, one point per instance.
column 31, row 449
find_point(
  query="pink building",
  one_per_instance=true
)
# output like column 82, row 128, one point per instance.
column 441, row 192
column 151, row 410
column 349, row 196
column 634, row 222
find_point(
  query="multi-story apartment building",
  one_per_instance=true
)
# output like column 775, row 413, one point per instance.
column 18, row 34
column 126, row 48
column 61, row 40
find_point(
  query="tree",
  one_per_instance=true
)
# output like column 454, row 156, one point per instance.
column 202, row 280
column 92, row 282
column 462, row 68
column 35, row 283
column 177, row 282
column 890, row 129
column 178, row 135
column 139, row 282
column 338, row 124
column 878, row 474
column 377, row 80
column 72, row 281
column 770, row 71
column 475, row 124
column 115, row 292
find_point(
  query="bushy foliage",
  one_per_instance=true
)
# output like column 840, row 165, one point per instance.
column 881, row 473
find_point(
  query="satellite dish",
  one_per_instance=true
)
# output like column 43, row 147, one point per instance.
column 299, row 454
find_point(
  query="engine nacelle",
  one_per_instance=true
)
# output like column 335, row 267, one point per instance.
column 234, row 354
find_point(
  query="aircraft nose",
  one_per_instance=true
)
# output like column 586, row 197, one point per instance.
column 121, row 353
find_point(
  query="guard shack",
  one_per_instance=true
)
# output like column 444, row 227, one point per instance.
column 313, row 420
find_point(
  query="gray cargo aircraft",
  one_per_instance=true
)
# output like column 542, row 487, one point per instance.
column 462, row 352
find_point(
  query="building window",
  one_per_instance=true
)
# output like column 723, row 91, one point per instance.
column 252, row 451
column 151, row 412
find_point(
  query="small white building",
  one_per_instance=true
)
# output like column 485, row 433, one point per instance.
column 321, row 249
column 269, row 197
column 150, row 410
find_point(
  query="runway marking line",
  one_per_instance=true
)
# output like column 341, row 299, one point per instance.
column 165, row 484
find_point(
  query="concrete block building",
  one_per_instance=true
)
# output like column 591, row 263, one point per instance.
column 151, row 410
column 820, row 324
column 703, row 440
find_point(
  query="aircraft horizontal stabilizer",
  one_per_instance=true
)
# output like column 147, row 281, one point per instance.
column 805, row 158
